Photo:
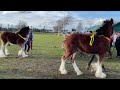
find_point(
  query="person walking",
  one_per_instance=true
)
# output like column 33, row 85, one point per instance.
column 28, row 44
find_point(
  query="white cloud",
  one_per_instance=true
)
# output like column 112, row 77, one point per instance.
column 9, row 12
column 47, row 18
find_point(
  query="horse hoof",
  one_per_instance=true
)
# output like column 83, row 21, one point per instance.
column 102, row 75
column 80, row 73
column 3, row 56
column 60, row 69
column 64, row 72
column 88, row 67
column 25, row 56
column 7, row 53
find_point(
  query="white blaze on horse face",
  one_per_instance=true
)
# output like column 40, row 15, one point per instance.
column 77, row 69
column 62, row 67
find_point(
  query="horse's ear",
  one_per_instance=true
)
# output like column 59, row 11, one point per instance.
column 111, row 20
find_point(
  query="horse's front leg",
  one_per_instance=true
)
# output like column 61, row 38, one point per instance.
column 22, row 51
column 99, row 73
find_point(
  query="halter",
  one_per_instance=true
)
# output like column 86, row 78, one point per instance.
column 92, row 38
column 22, row 37
column 106, row 37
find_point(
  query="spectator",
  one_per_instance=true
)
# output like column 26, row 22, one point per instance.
column 31, row 39
column 110, row 54
column 28, row 44
column 117, row 45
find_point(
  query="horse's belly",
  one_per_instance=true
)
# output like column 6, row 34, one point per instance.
column 13, row 41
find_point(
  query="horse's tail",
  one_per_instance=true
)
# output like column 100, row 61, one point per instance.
column 0, row 36
column 1, row 41
column 65, row 37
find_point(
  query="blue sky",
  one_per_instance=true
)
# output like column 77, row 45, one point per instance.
column 48, row 18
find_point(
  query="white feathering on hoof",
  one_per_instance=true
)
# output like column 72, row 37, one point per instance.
column 24, row 55
column 2, row 54
column 6, row 52
column 99, row 72
column 19, row 52
column 62, row 67
column 93, row 67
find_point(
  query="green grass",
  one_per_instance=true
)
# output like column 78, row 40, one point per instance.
column 44, row 61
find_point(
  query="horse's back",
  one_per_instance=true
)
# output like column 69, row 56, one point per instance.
column 8, row 36
column 82, row 41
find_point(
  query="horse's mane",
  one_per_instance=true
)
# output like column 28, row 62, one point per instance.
column 24, row 31
column 99, row 31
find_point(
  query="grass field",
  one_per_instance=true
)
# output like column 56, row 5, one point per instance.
column 44, row 61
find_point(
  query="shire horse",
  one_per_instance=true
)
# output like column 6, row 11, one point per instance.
column 19, row 38
column 81, row 42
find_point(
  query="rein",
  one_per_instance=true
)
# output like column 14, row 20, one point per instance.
column 21, row 37
column 106, row 37
column 92, row 38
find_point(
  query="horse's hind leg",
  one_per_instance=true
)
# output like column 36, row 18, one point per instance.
column 62, row 68
column 2, row 51
column 90, row 61
column 75, row 65
column 6, row 50
column 99, row 72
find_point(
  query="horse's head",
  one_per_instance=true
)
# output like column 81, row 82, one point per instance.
column 24, row 31
column 106, row 29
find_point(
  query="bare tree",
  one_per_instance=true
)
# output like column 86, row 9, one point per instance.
column 62, row 23
column 21, row 24
column 79, row 27
column 0, row 27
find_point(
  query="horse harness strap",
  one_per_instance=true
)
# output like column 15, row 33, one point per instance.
column 22, row 37
column 106, row 37
column 92, row 38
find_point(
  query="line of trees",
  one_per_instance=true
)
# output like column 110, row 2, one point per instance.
column 21, row 24
column 58, row 28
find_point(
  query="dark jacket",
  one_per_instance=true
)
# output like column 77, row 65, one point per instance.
column 117, row 43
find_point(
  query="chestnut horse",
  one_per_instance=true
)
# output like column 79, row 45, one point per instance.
column 18, row 38
column 81, row 42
